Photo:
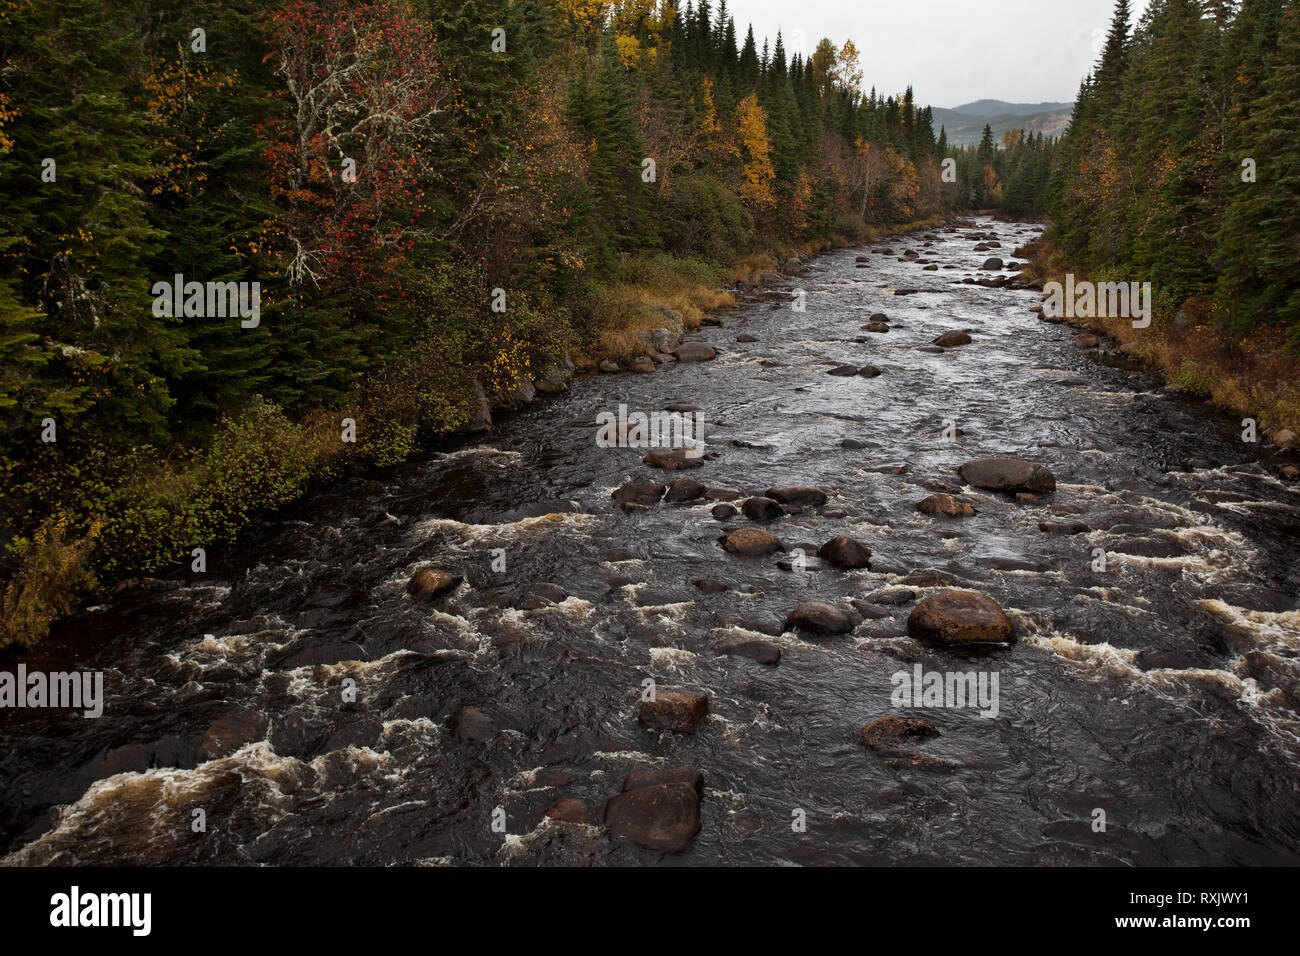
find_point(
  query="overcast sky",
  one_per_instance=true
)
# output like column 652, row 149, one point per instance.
column 950, row 51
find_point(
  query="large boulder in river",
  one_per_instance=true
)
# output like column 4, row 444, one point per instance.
column 843, row 552
column 680, row 711
column 759, row 508
column 993, row 263
column 429, row 584
column 951, row 339
column 751, row 542
column 695, row 352
column 820, row 618
column 1007, row 474
column 959, row 617
column 664, row 817
column 800, row 496
column 641, row 491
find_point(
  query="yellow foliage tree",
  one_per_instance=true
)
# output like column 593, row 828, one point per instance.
column 758, row 171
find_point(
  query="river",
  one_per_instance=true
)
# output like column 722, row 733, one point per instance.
column 1160, row 689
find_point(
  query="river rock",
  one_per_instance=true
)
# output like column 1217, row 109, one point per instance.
column 959, row 617
column 664, row 817
column 764, row 652
column 607, row 366
column 568, row 810
column 641, row 491
column 1063, row 527
column 480, row 418
column 843, row 552
column 1086, row 341
column 875, row 327
column 643, row 364
column 230, row 731
column 951, row 339
column 695, row 352
column 429, row 584
column 992, row 263
column 800, row 496
column 868, row 371
column 843, row 371
column 685, row 489
column 854, row 444
column 759, row 508
column 751, row 543
column 889, row 735
column 674, row 459
column 746, row 337
column 1285, row 438
column 723, row 512
column 944, row 504
column 660, row 340
column 680, row 711
column 1007, row 474
column 820, row 618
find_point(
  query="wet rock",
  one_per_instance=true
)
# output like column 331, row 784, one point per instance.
column 1007, row 474
column 1063, row 527
column 550, row 592
column 1285, row 438
column 474, row 724
column 429, row 584
column 230, row 731
column 844, row 371
column 709, row 586
column 959, row 617
column 664, row 817
column 607, row 366
column 899, row 596
column 685, row 489
column 641, row 491
column 869, row 610
column 893, row 736
column 746, row 337
column 643, row 365
column 674, row 459
column 944, row 504
column 568, row 810
column 551, row 385
column 819, row 618
column 875, row 327
column 1060, row 510
column 854, row 444
column 764, row 652
column 1291, row 473
column 843, row 552
column 751, row 543
column 803, row 497
column 658, row 597
column 480, row 419
column 680, row 711
column 952, row 339
column 723, row 512
column 695, row 352
column 868, row 371
column 1086, row 341
column 659, row 776
column 946, row 487
column 759, row 508
column 992, row 264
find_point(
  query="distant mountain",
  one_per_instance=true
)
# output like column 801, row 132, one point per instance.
column 965, row 124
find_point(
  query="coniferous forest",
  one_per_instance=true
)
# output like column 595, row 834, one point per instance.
column 604, row 433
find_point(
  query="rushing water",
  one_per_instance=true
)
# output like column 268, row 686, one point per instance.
column 1162, row 690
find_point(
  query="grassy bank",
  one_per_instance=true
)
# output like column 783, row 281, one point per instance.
column 1250, row 373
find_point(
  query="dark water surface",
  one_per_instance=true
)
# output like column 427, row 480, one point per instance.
column 1162, row 690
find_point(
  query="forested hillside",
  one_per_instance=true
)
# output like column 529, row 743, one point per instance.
column 433, row 199
column 1181, row 167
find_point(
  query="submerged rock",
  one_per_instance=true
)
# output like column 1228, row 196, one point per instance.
column 680, row 711
column 663, row 817
column 429, row 584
